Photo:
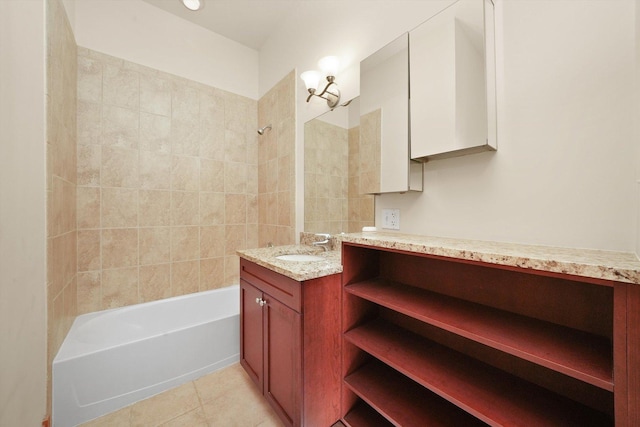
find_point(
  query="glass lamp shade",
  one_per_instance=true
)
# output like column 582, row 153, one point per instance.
column 311, row 79
column 329, row 65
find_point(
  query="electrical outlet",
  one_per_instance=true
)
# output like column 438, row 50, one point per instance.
column 391, row 219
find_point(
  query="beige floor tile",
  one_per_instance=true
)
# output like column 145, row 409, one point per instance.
column 193, row 418
column 216, row 384
column 165, row 406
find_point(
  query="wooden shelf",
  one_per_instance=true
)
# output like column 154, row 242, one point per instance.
column 362, row 415
column 578, row 354
column 489, row 394
column 404, row 402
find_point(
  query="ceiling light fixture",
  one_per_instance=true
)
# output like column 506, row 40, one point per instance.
column 329, row 66
column 193, row 4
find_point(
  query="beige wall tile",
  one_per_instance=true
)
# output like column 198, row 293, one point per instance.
column 119, row 207
column 185, row 277
column 212, row 208
column 89, row 250
column 89, row 292
column 235, row 238
column 212, row 241
column 155, row 282
column 235, row 147
column 120, row 126
column 231, row 270
column 211, row 273
column 154, row 245
column 89, row 126
column 155, row 208
column 211, row 175
column 185, row 101
column 119, row 167
column 89, row 165
column 185, row 173
column 185, row 136
column 155, row 133
column 185, row 243
column 212, row 140
column 235, row 209
column 120, row 87
column 119, row 247
column 89, row 80
column 184, row 207
column 155, row 170
column 155, row 96
column 119, row 287
column 235, row 177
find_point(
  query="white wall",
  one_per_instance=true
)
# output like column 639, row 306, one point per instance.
column 637, row 128
column 144, row 34
column 23, row 328
column 566, row 167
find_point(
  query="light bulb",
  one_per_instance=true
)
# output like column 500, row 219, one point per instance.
column 311, row 79
column 329, row 65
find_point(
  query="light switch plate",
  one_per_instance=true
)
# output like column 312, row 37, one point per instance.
column 391, row 219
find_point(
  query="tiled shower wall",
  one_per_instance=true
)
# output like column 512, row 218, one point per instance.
column 167, row 183
column 61, row 180
column 276, row 164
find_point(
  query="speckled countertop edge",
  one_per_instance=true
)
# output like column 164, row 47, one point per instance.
column 606, row 265
column 299, row 271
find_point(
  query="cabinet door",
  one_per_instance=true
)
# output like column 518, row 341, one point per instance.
column 453, row 82
column 385, row 166
column 283, row 360
column 251, row 344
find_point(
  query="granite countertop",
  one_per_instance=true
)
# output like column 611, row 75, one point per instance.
column 607, row 265
column 296, row 270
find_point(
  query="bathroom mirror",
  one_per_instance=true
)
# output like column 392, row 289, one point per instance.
column 333, row 202
column 453, row 99
column 385, row 166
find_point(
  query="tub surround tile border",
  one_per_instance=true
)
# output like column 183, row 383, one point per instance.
column 597, row 264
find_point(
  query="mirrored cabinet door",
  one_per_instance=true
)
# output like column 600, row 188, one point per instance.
column 453, row 82
column 385, row 166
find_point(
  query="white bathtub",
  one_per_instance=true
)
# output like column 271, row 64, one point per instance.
column 113, row 358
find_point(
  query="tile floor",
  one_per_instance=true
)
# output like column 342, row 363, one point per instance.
column 225, row 398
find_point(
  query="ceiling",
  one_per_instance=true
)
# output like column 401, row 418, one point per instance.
column 249, row 22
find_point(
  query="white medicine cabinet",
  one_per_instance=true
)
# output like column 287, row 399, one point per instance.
column 453, row 94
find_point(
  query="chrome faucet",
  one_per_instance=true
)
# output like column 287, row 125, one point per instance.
column 323, row 243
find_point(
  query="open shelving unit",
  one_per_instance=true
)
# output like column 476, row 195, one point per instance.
column 430, row 340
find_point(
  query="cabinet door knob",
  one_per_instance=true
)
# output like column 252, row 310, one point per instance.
column 258, row 300
column 261, row 302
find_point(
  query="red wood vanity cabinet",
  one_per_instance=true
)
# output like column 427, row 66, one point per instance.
column 290, row 343
column 432, row 340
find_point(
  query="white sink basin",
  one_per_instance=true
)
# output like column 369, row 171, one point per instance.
column 299, row 257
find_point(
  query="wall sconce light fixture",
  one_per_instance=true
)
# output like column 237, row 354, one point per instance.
column 329, row 66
